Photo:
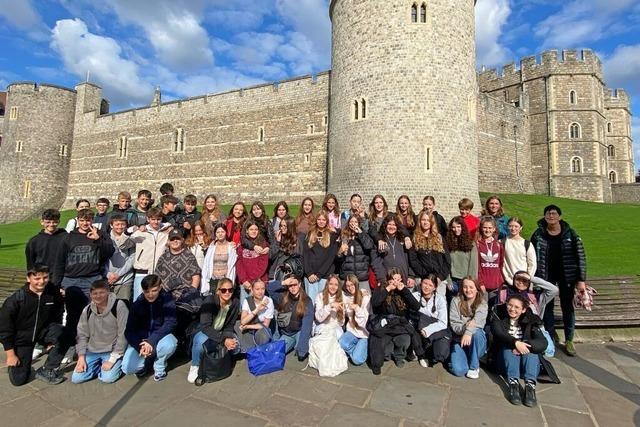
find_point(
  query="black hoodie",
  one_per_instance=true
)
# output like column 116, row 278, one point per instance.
column 44, row 249
column 529, row 323
column 83, row 257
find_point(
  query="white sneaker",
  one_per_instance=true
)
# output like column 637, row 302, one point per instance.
column 193, row 374
column 474, row 374
column 69, row 356
column 37, row 352
column 423, row 363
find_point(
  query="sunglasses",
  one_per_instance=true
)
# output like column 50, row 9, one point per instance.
column 225, row 290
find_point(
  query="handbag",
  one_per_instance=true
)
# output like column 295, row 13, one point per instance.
column 215, row 363
column 547, row 372
column 267, row 358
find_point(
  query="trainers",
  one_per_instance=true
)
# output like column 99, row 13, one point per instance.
column 555, row 337
column 570, row 348
column 411, row 356
column 141, row 373
column 49, row 376
column 193, row 374
column 69, row 356
column 530, row 394
column 399, row 363
column 514, row 392
column 159, row 376
column 474, row 374
column 37, row 352
column 376, row 371
column 423, row 363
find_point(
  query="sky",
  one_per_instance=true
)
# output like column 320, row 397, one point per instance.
column 193, row 47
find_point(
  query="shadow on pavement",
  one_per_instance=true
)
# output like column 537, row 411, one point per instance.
column 121, row 403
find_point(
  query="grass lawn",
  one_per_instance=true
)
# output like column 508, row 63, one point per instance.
column 610, row 232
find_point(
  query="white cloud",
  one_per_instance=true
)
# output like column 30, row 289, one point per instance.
column 491, row 16
column 82, row 51
column 622, row 68
column 215, row 80
column 580, row 22
column 23, row 16
column 173, row 28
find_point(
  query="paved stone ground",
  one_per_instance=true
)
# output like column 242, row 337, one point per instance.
column 599, row 388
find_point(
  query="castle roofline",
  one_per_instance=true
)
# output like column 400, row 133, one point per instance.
column 333, row 3
column 36, row 85
column 89, row 84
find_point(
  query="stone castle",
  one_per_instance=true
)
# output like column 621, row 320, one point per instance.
column 402, row 111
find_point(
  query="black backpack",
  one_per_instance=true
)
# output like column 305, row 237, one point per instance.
column 215, row 363
column 292, row 265
column 114, row 308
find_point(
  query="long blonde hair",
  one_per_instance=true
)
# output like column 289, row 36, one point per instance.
column 312, row 236
column 432, row 240
column 325, row 295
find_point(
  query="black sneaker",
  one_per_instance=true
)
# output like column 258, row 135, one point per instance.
column 49, row 376
column 530, row 395
column 376, row 371
column 514, row 392
column 399, row 363
column 141, row 373
column 303, row 358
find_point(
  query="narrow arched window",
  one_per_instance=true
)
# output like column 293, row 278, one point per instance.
column 573, row 98
column 414, row 13
column 364, row 108
column 611, row 151
column 356, row 110
column 609, row 127
column 576, row 165
column 613, row 177
column 574, row 131
column 423, row 13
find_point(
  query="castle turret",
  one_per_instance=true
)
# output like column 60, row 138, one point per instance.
column 403, row 100
column 34, row 155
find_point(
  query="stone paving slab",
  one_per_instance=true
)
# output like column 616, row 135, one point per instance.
column 602, row 391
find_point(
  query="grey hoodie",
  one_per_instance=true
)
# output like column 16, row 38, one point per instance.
column 103, row 332
column 121, row 262
column 458, row 321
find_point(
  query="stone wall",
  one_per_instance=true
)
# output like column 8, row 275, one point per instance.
column 33, row 165
column 223, row 151
column 504, row 153
column 626, row 193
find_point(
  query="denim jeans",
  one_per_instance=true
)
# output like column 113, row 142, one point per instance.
column 465, row 358
column 94, row 369
column 196, row 348
column 520, row 365
column 313, row 289
column 356, row 348
column 133, row 362
column 290, row 340
column 137, row 285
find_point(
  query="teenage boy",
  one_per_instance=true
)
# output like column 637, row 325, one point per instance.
column 170, row 214
column 137, row 216
column 150, row 244
column 31, row 315
column 356, row 209
column 84, row 253
column 124, row 203
column 44, row 247
column 191, row 213
column 100, row 338
column 101, row 218
column 152, row 319
column 466, row 206
column 72, row 224
column 561, row 261
column 120, row 269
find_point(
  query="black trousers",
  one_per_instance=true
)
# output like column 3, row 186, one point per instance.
column 51, row 335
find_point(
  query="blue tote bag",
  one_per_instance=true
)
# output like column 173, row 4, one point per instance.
column 267, row 358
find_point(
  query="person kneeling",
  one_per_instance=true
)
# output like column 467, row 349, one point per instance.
column 32, row 315
column 517, row 334
column 431, row 321
column 255, row 319
column 217, row 319
column 152, row 319
column 468, row 316
column 100, row 340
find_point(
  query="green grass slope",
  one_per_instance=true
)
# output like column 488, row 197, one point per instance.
column 610, row 232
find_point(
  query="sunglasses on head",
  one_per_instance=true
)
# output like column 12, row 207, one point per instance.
column 226, row 290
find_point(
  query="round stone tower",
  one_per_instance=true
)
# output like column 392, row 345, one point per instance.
column 36, row 148
column 403, row 101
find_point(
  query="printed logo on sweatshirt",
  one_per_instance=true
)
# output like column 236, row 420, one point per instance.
column 489, row 259
column 83, row 254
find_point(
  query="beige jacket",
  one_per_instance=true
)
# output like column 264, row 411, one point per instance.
column 149, row 246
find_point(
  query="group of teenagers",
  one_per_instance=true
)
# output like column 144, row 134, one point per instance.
column 125, row 288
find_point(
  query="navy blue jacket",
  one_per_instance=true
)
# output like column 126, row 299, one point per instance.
column 151, row 322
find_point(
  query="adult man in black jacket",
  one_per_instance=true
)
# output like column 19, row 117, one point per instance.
column 31, row 315
column 561, row 261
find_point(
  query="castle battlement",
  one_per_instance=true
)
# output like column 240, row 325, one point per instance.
column 280, row 88
column 616, row 98
column 26, row 87
column 547, row 63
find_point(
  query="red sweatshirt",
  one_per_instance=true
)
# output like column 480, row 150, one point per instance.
column 472, row 223
column 490, row 261
column 251, row 266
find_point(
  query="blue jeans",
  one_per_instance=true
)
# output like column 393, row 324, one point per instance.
column 132, row 362
column 94, row 369
column 315, row 288
column 290, row 340
column 196, row 348
column 465, row 358
column 137, row 285
column 356, row 348
column 521, row 365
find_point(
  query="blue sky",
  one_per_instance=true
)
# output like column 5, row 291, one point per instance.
column 192, row 47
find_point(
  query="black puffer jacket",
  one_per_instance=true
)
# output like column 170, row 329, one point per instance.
column 425, row 262
column 529, row 323
column 358, row 257
column 573, row 257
